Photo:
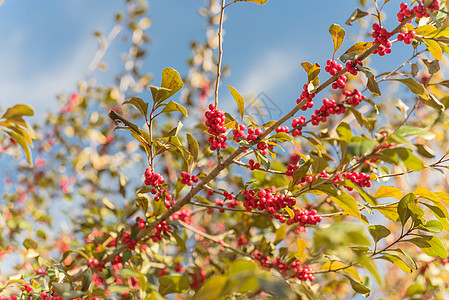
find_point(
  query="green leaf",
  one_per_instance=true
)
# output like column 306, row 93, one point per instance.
column 425, row 151
column 127, row 254
column 281, row 137
column 344, row 132
column 367, row 197
column 338, row 35
column 116, row 117
column 356, row 14
column 432, row 226
column 348, row 204
column 415, row 87
column 378, row 232
column 388, row 191
column 87, row 279
column 61, row 288
column 371, row 266
column 17, row 111
column 30, row 244
column 430, row 245
column 171, row 80
column 408, row 131
column 403, row 156
column 358, row 287
column 212, row 288
column 373, row 86
column 239, row 99
column 262, row 159
column 173, row 106
column 180, row 242
column 275, row 286
column 193, row 147
column 403, row 208
column 139, row 104
column 169, row 284
column 440, row 213
column 415, row 289
column 360, row 146
column 281, row 232
column 159, row 94
column 396, row 260
column 299, row 174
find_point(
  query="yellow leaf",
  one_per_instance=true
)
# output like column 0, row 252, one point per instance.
column 358, row 48
column 338, row 35
column 388, row 191
column 301, row 244
column 434, row 48
column 425, row 193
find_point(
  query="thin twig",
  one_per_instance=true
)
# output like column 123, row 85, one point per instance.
column 220, row 51
column 213, row 239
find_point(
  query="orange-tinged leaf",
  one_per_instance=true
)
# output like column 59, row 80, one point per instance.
column 338, row 35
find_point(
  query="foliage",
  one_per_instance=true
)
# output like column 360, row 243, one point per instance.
column 194, row 201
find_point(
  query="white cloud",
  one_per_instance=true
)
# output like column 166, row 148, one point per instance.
column 38, row 88
column 270, row 71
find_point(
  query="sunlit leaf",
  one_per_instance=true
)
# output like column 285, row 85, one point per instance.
column 338, row 35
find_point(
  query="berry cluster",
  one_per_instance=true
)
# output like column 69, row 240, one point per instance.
column 242, row 240
column 330, row 107
column 188, row 179
column 117, row 263
column 381, row 36
column 354, row 97
column 159, row 230
column 332, row 67
column 292, row 270
column 352, row 66
column 361, row 179
column 282, row 129
column 305, row 217
column 420, row 11
column 183, row 215
column 126, row 238
column 309, row 178
column 198, row 279
column 253, row 165
column 264, row 199
column 298, row 124
column 93, row 263
column 141, row 224
column 156, row 180
column 407, row 37
column 153, row 179
column 305, row 95
column 291, row 169
column 215, row 121
column 340, row 83
column 252, row 135
column 179, row 268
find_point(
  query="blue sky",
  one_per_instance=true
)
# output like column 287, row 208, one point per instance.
column 47, row 46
